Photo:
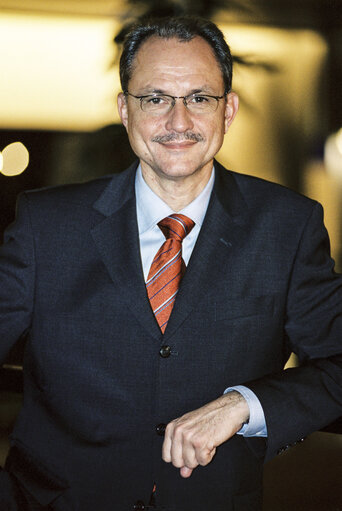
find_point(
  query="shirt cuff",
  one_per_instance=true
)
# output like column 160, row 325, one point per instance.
column 256, row 425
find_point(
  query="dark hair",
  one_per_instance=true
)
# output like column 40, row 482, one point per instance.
column 184, row 28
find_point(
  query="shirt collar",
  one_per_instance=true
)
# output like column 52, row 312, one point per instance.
column 151, row 208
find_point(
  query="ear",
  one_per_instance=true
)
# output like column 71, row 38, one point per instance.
column 122, row 109
column 232, row 107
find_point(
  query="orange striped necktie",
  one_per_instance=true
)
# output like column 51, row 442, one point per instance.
column 167, row 267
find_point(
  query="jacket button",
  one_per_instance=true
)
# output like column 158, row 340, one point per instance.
column 165, row 351
column 139, row 506
column 160, row 429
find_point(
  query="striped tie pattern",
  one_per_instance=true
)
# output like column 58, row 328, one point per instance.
column 167, row 267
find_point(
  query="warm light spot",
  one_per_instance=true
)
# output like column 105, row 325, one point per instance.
column 15, row 159
column 339, row 140
column 333, row 154
column 1, row 161
column 278, row 103
column 55, row 71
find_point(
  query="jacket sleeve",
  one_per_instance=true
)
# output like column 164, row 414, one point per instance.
column 17, row 276
column 301, row 400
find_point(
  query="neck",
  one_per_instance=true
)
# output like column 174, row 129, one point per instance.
column 177, row 192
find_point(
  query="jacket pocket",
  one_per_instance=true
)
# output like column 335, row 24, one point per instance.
column 38, row 480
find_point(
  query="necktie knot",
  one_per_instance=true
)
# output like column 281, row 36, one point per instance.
column 176, row 226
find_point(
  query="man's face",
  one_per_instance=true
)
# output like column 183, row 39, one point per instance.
column 179, row 143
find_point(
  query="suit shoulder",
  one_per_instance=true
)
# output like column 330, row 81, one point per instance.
column 81, row 194
column 75, row 193
column 258, row 190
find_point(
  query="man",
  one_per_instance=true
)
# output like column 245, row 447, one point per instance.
column 129, row 355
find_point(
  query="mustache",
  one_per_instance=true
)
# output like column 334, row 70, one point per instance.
column 174, row 137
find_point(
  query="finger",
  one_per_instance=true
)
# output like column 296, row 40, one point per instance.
column 189, row 454
column 186, row 472
column 177, row 448
column 204, row 456
column 166, row 448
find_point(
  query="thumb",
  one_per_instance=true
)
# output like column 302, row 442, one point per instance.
column 185, row 472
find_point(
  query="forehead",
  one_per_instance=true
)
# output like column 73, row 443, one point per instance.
column 170, row 62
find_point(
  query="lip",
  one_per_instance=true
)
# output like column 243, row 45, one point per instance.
column 178, row 145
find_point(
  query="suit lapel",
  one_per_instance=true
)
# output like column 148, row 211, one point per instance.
column 117, row 241
column 224, row 228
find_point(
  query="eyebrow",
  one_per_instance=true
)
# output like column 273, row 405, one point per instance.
column 203, row 90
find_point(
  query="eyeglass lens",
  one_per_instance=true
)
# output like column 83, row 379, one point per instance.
column 195, row 103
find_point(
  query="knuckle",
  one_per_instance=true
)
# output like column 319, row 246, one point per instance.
column 169, row 429
column 187, row 435
column 179, row 430
column 204, row 460
column 191, row 464
column 205, row 457
column 198, row 441
column 178, row 463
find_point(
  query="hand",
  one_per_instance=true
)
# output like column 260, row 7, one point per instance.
column 192, row 439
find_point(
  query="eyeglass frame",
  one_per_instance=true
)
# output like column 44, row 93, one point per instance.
column 184, row 98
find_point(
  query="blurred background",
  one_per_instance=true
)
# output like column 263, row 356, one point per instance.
column 59, row 124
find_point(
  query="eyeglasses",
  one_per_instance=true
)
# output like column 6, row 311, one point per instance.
column 161, row 104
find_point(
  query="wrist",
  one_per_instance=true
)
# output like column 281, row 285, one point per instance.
column 238, row 408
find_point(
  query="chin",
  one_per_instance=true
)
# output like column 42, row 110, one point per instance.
column 178, row 171
column 179, row 166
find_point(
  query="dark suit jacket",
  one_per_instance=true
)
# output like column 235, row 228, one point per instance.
column 260, row 284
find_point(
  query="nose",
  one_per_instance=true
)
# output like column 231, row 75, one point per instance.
column 179, row 119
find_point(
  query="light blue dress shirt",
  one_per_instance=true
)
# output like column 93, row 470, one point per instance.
column 150, row 210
